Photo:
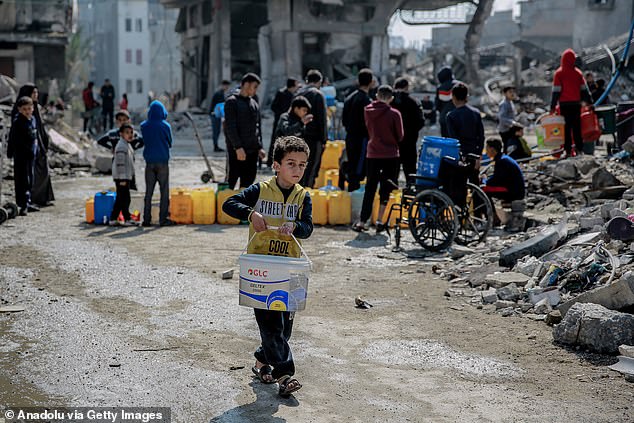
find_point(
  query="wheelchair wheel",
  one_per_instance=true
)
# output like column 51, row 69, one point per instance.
column 433, row 220
column 476, row 218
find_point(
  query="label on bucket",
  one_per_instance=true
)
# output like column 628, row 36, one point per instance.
column 273, row 285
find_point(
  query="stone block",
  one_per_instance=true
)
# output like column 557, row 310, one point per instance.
column 626, row 350
column 500, row 279
column 103, row 164
column 596, row 328
column 590, row 222
column 536, row 246
column 553, row 295
column 615, row 296
column 489, row 297
column 553, row 318
column 499, row 304
column 509, row 292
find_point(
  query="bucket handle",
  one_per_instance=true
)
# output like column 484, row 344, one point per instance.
column 274, row 228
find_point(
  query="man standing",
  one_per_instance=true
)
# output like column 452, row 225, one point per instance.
column 413, row 122
column 243, row 133
column 107, row 101
column 90, row 104
column 281, row 104
column 353, row 120
column 316, row 131
column 444, row 105
column 464, row 123
column 506, row 115
column 216, row 117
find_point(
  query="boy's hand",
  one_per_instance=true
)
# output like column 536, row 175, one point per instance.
column 259, row 224
column 287, row 228
column 262, row 154
column 241, row 154
column 307, row 119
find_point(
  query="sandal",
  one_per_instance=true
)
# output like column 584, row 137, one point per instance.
column 264, row 373
column 288, row 385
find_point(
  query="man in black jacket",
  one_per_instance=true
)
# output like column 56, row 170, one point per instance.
column 444, row 105
column 413, row 122
column 316, row 132
column 107, row 104
column 216, row 121
column 281, row 104
column 353, row 120
column 22, row 148
column 243, row 134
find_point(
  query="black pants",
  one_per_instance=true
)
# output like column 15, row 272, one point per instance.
column 314, row 162
column 157, row 172
column 356, row 166
column 23, row 179
column 379, row 170
column 506, row 136
column 108, row 116
column 245, row 170
column 122, row 202
column 572, row 114
column 275, row 331
column 408, row 157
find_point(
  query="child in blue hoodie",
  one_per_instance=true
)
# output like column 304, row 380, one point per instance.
column 157, row 135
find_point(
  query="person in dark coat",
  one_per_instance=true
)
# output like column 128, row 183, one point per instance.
column 444, row 105
column 22, row 148
column 353, row 120
column 413, row 122
column 89, row 104
column 107, row 104
column 429, row 110
column 216, row 118
column 281, row 104
column 42, row 189
column 316, row 132
column 293, row 122
column 243, row 133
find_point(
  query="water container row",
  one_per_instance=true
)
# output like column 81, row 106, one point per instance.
column 331, row 155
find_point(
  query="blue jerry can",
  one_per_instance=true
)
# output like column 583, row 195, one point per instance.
column 104, row 202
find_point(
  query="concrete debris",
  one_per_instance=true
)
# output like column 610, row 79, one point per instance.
column 498, row 280
column 627, row 350
column 615, row 296
column 543, row 307
column 227, row 274
column 545, row 241
column 509, row 292
column 489, row 296
column 553, row 318
column 596, row 328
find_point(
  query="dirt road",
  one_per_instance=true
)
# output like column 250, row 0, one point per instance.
column 131, row 316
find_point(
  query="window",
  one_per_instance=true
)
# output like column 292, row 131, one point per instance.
column 128, row 85
column 128, row 25
column 128, row 55
column 139, row 86
column 139, row 57
column 139, row 25
column 193, row 16
column 207, row 12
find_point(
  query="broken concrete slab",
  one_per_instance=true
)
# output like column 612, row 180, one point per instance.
column 500, row 279
column 624, row 366
column 590, row 222
column 553, row 295
column 537, row 246
column 626, row 350
column 489, row 296
column 103, row 163
column 527, row 265
column 617, row 295
column 596, row 328
column 602, row 178
column 585, row 164
column 553, row 318
column 61, row 143
column 501, row 304
column 227, row 274
column 589, row 238
column 509, row 292
column 565, row 169
column 458, row 251
column 543, row 307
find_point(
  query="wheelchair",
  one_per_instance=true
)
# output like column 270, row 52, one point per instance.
column 444, row 209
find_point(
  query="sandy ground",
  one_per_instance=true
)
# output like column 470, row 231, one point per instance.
column 132, row 316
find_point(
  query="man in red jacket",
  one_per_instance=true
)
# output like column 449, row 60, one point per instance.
column 570, row 90
column 385, row 132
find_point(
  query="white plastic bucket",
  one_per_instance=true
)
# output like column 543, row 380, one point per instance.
column 274, row 282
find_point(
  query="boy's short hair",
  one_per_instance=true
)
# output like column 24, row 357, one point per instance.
column 24, row 101
column 365, row 77
column 250, row 77
column 384, row 93
column 507, row 88
column 401, row 83
column 460, row 91
column 291, row 82
column 314, row 76
column 300, row 101
column 289, row 144
column 495, row 143
column 122, row 112
column 225, row 82
column 126, row 126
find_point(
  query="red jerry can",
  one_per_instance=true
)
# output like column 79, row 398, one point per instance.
column 590, row 129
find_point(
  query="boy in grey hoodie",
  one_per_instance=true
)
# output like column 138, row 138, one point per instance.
column 123, row 173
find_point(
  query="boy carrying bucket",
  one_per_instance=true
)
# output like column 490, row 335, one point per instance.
column 283, row 204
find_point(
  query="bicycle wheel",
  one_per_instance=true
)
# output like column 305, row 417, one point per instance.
column 432, row 220
column 476, row 218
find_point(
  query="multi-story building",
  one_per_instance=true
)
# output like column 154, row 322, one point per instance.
column 165, row 55
column 33, row 39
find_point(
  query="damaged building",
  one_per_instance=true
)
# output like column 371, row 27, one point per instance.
column 222, row 39
column 33, row 39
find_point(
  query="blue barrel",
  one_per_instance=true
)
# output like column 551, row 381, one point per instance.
column 432, row 151
column 104, row 202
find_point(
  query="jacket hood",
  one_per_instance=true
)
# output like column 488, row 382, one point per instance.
column 568, row 59
column 445, row 74
column 377, row 108
column 157, row 111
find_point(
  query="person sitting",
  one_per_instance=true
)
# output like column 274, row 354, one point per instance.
column 516, row 146
column 507, row 182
